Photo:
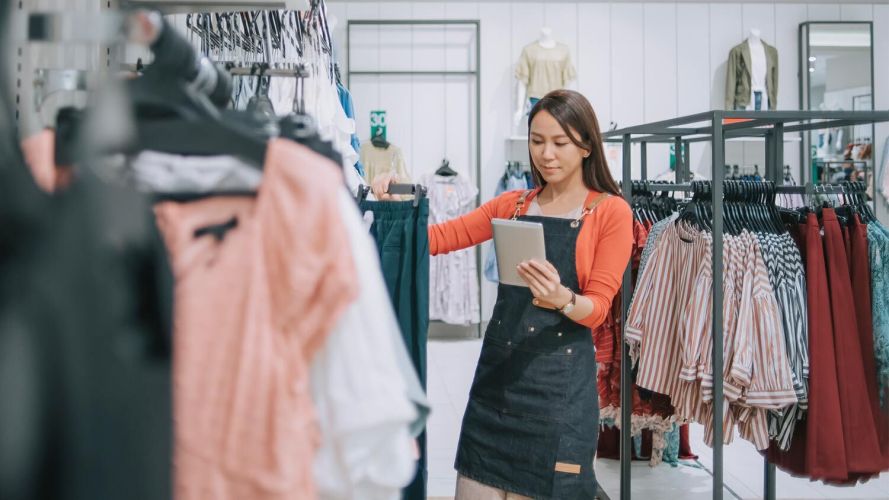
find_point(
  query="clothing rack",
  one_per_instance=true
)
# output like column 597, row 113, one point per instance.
column 714, row 127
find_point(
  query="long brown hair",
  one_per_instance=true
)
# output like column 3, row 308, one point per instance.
column 573, row 111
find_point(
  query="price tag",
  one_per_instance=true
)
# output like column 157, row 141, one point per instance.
column 378, row 124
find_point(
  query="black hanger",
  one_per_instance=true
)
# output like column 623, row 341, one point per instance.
column 260, row 104
column 416, row 190
column 173, row 118
column 445, row 169
column 201, row 138
column 379, row 141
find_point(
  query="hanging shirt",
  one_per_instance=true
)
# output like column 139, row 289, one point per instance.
column 453, row 281
column 349, row 109
column 253, row 305
column 169, row 173
column 878, row 254
column 362, row 399
column 543, row 70
column 383, row 160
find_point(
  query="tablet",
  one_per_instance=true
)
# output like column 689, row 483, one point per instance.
column 514, row 243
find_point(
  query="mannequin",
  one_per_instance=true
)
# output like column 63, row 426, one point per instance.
column 545, row 41
column 757, row 69
column 752, row 75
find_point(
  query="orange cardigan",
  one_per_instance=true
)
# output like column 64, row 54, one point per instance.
column 603, row 246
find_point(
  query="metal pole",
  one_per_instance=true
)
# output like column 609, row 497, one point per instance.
column 779, row 154
column 478, row 143
column 677, row 158
column 686, row 155
column 718, row 142
column 626, row 385
column 644, row 160
column 770, row 489
column 768, row 172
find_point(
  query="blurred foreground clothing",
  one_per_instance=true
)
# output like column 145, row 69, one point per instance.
column 85, row 314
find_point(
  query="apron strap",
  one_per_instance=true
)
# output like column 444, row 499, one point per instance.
column 589, row 209
column 521, row 203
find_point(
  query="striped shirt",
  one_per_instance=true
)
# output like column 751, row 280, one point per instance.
column 669, row 329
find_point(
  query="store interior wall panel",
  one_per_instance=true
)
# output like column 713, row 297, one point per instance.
column 628, row 88
column 760, row 16
column 497, row 103
column 459, row 107
column 788, row 17
column 395, row 10
column 593, row 59
column 824, row 12
column 459, row 10
column 525, row 23
column 660, row 47
column 428, row 10
column 660, row 97
column 561, row 18
column 856, row 12
column 396, row 98
column 363, row 10
column 694, row 76
column 395, row 46
column 726, row 31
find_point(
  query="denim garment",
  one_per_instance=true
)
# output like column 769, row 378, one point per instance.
column 531, row 424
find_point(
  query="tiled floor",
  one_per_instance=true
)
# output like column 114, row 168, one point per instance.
column 451, row 367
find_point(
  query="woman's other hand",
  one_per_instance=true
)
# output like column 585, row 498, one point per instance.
column 380, row 186
column 545, row 283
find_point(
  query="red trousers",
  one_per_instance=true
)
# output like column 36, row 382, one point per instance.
column 863, row 454
column 817, row 450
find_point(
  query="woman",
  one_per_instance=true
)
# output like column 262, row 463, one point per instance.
column 530, row 428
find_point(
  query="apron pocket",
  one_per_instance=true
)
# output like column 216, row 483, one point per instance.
column 574, row 476
column 521, row 382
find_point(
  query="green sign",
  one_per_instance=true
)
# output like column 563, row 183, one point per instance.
column 378, row 124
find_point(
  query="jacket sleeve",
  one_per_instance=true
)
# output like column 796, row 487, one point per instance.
column 731, row 79
column 470, row 229
column 612, row 254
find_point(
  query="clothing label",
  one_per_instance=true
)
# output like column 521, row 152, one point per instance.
column 567, row 468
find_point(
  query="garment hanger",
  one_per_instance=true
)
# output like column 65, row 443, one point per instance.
column 379, row 142
column 172, row 117
column 418, row 191
column 445, row 169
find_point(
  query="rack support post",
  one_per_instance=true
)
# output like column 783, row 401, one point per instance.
column 718, row 400
column 626, row 384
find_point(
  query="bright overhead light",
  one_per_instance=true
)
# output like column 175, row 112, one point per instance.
column 811, row 70
column 811, row 58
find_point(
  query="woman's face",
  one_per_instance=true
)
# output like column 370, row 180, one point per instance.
column 556, row 157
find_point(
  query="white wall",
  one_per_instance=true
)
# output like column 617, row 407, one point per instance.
column 636, row 62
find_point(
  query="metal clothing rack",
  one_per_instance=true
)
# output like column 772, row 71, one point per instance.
column 714, row 127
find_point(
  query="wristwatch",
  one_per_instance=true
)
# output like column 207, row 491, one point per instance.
column 567, row 308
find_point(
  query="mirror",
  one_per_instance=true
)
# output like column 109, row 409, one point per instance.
column 836, row 74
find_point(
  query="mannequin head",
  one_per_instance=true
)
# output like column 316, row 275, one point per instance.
column 754, row 34
column 565, row 142
column 546, row 38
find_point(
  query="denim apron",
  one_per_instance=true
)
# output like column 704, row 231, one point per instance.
column 531, row 425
